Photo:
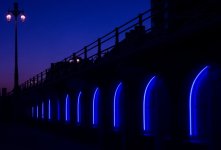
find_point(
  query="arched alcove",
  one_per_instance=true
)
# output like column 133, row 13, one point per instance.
column 67, row 108
column 198, row 105
column 116, row 106
column 42, row 110
column 95, row 112
column 79, row 108
column 58, row 110
column 49, row 109
column 148, row 107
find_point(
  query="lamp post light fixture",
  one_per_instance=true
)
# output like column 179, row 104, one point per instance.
column 17, row 14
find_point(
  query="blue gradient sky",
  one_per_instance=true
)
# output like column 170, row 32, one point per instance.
column 54, row 29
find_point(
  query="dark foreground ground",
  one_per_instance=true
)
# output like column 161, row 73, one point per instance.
column 18, row 136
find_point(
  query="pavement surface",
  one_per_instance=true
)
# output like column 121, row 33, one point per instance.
column 19, row 136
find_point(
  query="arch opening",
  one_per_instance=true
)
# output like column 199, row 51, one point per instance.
column 116, row 106
column 37, row 111
column 49, row 109
column 193, row 101
column 95, row 107
column 79, row 108
column 32, row 112
column 67, row 108
column 42, row 110
column 147, row 113
column 58, row 111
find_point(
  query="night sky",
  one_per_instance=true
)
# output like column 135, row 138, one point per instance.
column 54, row 29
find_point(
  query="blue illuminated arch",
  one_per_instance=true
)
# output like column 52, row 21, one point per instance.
column 116, row 106
column 42, row 110
column 67, row 108
column 49, row 109
column 58, row 111
column 193, row 131
column 32, row 112
column 37, row 111
column 79, row 108
column 95, row 107
column 147, row 104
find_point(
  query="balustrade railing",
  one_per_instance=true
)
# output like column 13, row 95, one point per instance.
column 98, row 48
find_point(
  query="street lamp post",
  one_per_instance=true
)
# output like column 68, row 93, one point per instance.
column 16, row 13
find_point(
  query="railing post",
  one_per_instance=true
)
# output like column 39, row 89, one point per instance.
column 74, row 57
column 46, row 71
column 99, row 48
column 140, row 19
column 116, row 37
column 41, row 77
column 33, row 81
column 37, row 78
column 85, row 52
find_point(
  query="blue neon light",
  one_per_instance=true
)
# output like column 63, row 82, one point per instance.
column 117, row 106
column 67, row 108
column 37, row 111
column 32, row 112
column 42, row 110
column 146, row 105
column 95, row 107
column 58, row 111
column 49, row 109
column 193, row 131
column 78, row 109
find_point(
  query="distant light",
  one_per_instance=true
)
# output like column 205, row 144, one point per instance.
column 49, row 109
column 8, row 17
column 117, row 106
column 71, row 61
column 78, row 60
column 146, row 106
column 95, row 107
column 192, row 102
column 67, row 109
column 23, row 18
column 79, row 109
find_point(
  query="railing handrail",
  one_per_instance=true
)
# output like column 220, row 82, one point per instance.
column 116, row 32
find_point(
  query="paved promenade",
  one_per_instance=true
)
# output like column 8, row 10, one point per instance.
column 18, row 136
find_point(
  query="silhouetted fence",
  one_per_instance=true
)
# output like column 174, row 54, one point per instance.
column 99, row 47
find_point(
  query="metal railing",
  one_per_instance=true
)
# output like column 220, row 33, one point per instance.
column 99, row 47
